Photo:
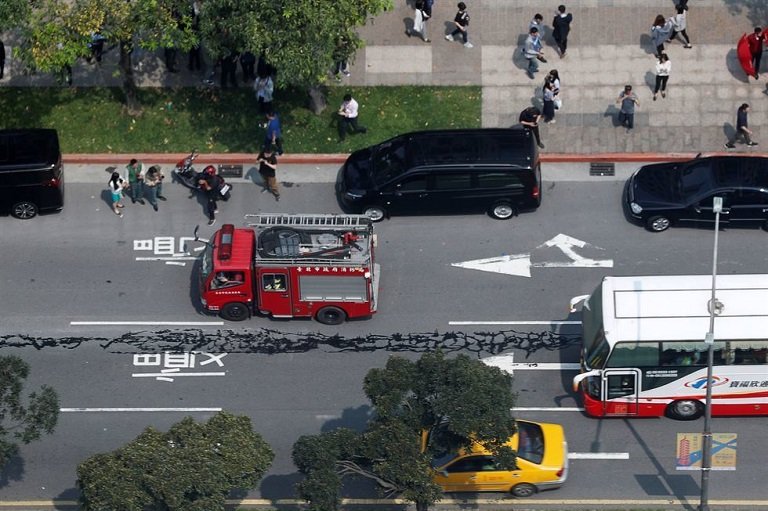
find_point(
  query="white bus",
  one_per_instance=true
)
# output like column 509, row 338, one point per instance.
column 644, row 353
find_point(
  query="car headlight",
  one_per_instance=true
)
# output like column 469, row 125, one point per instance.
column 635, row 207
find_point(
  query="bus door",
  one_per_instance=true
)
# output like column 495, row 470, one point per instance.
column 620, row 391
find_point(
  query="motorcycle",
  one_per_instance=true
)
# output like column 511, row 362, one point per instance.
column 185, row 173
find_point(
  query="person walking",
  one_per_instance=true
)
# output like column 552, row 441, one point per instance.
column 628, row 101
column 348, row 112
column 756, row 41
column 209, row 183
column 461, row 20
column 549, row 101
column 561, row 28
column 679, row 24
column 274, row 135
column 264, row 88
column 660, row 33
column 533, row 51
column 116, row 186
column 267, row 169
column 420, row 18
column 742, row 128
column 229, row 69
column 135, row 177
column 538, row 22
column 153, row 183
column 248, row 63
column 529, row 118
column 663, row 67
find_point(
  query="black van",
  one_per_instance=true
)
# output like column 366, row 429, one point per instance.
column 31, row 172
column 446, row 171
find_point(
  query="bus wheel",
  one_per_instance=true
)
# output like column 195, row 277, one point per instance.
column 331, row 316
column 235, row 311
column 685, row 410
column 523, row 490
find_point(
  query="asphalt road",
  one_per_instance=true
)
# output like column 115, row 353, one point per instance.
column 300, row 377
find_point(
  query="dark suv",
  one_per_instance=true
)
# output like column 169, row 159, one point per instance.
column 31, row 173
column 661, row 194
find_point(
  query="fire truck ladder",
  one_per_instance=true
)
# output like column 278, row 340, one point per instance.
column 316, row 220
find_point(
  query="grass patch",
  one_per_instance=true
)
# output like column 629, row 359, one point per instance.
column 92, row 120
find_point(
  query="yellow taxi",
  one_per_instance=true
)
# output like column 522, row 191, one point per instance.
column 542, row 464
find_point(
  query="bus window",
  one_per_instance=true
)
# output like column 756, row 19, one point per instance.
column 620, row 385
column 686, row 353
column 634, row 354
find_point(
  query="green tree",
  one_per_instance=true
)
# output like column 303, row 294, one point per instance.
column 301, row 38
column 13, row 13
column 462, row 398
column 192, row 467
column 20, row 422
column 56, row 33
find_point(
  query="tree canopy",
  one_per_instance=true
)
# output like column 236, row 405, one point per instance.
column 20, row 422
column 465, row 399
column 192, row 467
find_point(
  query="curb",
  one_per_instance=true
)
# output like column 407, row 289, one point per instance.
column 328, row 159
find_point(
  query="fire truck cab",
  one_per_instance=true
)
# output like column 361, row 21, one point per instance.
column 291, row 266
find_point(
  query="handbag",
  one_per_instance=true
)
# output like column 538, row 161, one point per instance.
column 558, row 103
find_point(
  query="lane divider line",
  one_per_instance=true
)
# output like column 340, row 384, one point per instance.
column 146, row 323
column 547, row 409
column 553, row 323
column 88, row 410
column 598, row 455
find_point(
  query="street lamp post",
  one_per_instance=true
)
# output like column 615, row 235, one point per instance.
column 714, row 308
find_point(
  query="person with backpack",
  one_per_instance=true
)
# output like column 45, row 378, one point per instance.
column 461, row 20
column 561, row 28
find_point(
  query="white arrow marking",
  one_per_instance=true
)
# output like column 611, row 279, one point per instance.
column 520, row 264
column 507, row 364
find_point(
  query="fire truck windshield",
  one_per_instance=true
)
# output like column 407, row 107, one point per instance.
column 206, row 262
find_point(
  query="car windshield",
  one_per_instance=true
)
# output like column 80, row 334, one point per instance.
column 389, row 161
column 695, row 179
column 206, row 265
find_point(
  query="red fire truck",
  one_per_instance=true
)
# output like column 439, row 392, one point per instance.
column 292, row 266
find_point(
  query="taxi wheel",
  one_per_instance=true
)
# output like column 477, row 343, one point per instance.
column 523, row 490
column 686, row 410
column 331, row 316
column 235, row 312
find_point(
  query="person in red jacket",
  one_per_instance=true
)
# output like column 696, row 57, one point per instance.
column 756, row 40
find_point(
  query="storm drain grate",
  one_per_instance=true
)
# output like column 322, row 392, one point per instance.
column 231, row 170
column 602, row 169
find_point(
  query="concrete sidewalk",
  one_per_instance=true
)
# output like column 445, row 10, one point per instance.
column 609, row 46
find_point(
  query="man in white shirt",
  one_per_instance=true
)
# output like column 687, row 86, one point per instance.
column 348, row 117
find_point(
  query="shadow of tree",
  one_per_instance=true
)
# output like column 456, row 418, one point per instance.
column 755, row 10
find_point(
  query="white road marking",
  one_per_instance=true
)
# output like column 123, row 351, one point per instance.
column 146, row 323
column 78, row 410
column 175, row 375
column 598, row 455
column 175, row 263
column 506, row 363
column 546, row 409
column 171, row 258
column 520, row 264
column 553, row 323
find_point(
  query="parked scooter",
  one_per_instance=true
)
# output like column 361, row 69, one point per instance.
column 186, row 174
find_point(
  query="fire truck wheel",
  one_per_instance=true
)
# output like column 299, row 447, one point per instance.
column 501, row 211
column 375, row 213
column 331, row 316
column 235, row 312
column 686, row 410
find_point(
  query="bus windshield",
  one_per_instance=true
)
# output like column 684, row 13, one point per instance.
column 596, row 348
